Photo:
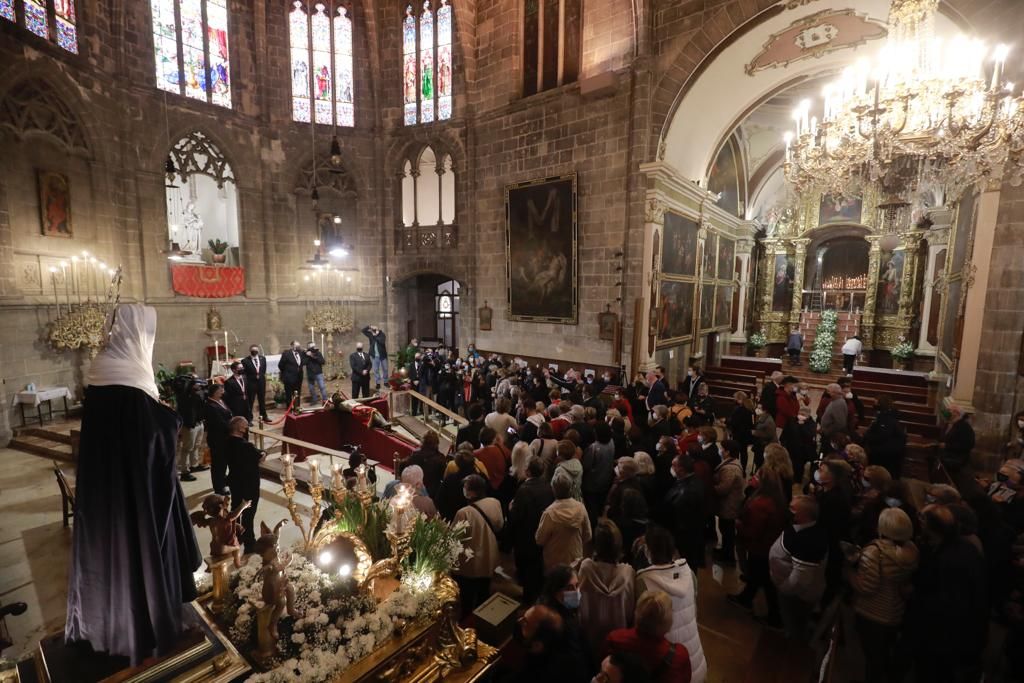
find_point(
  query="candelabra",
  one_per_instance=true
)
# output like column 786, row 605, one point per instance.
column 91, row 292
column 316, row 491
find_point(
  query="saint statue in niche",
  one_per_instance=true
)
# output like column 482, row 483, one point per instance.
column 193, row 236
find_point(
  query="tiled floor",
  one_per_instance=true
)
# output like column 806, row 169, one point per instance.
column 34, row 549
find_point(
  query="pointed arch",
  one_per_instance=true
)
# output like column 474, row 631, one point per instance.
column 195, row 153
column 33, row 106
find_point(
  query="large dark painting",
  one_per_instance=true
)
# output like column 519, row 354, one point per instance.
column 707, row 307
column 710, row 252
column 726, row 256
column 725, row 178
column 679, row 251
column 890, row 280
column 839, row 210
column 782, row 282
column 54, row 204
column 723, row 306
column 540, row 240
column 675, row 312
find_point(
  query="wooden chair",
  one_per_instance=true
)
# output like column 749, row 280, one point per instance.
column 67, row 493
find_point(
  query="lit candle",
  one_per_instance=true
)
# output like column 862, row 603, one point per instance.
column 311, row 338
column 225, row 345
column 74, row 277
column 216, row 351
column 401, row 503
column 361, row 481
column 337, row 481
column 67, row 285
column 53, row 281
column 314, row 472
column 288, row 473
column 321, row 341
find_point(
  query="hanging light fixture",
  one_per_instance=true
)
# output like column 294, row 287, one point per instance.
column 335, row 154
column 927, row 111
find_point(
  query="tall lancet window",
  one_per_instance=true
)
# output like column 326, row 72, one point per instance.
column 190, row 49
column 320, row 40
column 53, row 20
column 427, row 63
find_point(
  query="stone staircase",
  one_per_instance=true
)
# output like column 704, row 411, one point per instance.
column 57, row 442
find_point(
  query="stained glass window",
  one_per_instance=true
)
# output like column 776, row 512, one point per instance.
column 52, row 20
column 427, row 63
column 35, row 19
column 190, row 49
column 67, row 33
column 7, row 10
column 321, row 64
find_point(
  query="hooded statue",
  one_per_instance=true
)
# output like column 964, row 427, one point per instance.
column 133, row 547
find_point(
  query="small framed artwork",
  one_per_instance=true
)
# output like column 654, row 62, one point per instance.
column 54, row 204
column 486, row 314
column 606, row 323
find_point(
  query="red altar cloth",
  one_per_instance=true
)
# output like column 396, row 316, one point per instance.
column 208, row 282
column 333, row 429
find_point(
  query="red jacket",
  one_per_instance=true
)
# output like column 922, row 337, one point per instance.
column 653, row 653
column 787, row 407
column 759, row 524
column 496, row 459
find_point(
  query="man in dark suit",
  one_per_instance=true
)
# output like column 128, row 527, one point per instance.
column 255, row 370
column 244, row 476
column 236, row 393
column 471, row 432
column 378, row 353
column 290, row 369
column 532, row 497
column 360, row 363
column 416, row 372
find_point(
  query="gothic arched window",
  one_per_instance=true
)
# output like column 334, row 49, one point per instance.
column 427, row 64
column 321, row 64
column 551, row 44
column 427, row 186
column 49, row 19
column 190, row 48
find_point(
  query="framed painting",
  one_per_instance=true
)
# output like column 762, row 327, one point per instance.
column 782, row 282
column 54, row 204
column 679, row 247
column 726, row 258
column 606, row 323
column 707, row 307
column 890, row 282
column 839, row 210
column 485, row 314
column 541, row 244
column 723, row 306
column 707, row 271
column 675, row 313
column 725, row 179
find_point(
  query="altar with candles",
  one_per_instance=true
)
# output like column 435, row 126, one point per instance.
column 90, row 289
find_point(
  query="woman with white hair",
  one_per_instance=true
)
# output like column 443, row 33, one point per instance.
column 521, row 454
column 883, row 571
column 412, row 477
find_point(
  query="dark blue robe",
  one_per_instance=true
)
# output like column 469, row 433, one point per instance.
column 134, row 549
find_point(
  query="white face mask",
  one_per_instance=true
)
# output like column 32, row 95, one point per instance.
column 801, row 418
column 865, row 483
column 893, row 502
column 803, row 392
column 759, row 412
column 700, row 440
column 849, row 394
column 689, row 373
column 817, row 476
column 1020, row 424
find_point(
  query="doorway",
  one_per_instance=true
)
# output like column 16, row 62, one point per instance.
column 428, row 308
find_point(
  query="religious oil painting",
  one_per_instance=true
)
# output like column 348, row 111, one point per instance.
column 541, row 250
column 835, row 209
column 679, row 252
column 782, row 282
column 724, row 179
column 707, row 271
column 890, row 278
column 723, row 306
column 675, row 313
column 606, row 324
column 726, row 258
column 55, row 204
column 707, row 307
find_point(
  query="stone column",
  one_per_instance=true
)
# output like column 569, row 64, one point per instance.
column 867, row 321
column 798, row 279
column 976, row 272
column 937, row 238
column 744, row 251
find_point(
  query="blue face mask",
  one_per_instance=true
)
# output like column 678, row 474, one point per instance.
column 571, row 599
column 893, row 502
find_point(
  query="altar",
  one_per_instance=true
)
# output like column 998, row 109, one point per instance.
column 335, row 429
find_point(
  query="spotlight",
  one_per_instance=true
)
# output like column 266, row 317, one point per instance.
column 345, row 570
column 338, row 252
column 326, row 557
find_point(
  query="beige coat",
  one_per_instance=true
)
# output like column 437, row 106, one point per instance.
column 729, row 485
column 481, row 539
column 564, row 528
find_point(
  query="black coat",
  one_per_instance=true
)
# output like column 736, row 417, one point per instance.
column 433, row 464
column 133, row 548
column 684, row 506
column 529, row 503
column 243, row 468
column 470, row 433
column 314, row 362
column 957, row 445
column 360, row 362
column 886, row 441
column 216, row 418
column 289, row 369
column 378, row 342
column 236, row 396
column 768, row 394
column 741, row 424
column 257, row 378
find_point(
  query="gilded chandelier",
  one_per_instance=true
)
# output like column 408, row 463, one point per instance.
column 927, row 111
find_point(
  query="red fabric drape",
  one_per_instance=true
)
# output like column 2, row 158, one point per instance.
column 208, row 282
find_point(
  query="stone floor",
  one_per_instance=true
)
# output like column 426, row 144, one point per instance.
column 34, row 548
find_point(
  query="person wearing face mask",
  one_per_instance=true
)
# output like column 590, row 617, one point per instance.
column 694, row 378
column 761, row 521
column 550, row 655
column 236, row 392
column 886, row 439
column 625, row 479
column 484, row 518
column 835, row 418
column 416, row 374
column 769, row 392
column 855, row 405
column 741, row 424
column 360, row 364
column 869, row 503
column 787, row 405
column 244, row 477
column 255, row 369
column 290, row 371
column 804, row 445
column 1014, row 448
column 832, row 493
column 728, row 486
column 685, row 511
column 561, row 593
column 796, row 562
column 764, row 433
column 702, row 406
column 564, row 527
column 314, row 364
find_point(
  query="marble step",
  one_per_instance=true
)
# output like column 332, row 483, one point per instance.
column 46, row 448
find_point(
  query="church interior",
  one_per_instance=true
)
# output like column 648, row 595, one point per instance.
column 388, row 229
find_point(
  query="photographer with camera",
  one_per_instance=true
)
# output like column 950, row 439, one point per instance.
column 189, row 396
column 314, row 363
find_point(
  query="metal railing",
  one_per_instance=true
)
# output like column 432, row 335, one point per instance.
column 431, row 414
column 260, row 437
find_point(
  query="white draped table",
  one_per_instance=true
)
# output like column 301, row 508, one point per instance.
column 40, row 396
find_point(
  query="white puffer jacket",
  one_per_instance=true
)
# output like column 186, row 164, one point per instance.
column 677, row 581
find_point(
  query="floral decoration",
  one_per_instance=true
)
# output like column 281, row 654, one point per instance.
column 824, row 340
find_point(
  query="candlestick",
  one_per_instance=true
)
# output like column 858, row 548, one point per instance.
column 288, row 473
column 403, row 497
column 311, row 338
column 314, row 472
column 216, row 352
column 225, row 345
column 74, row 278
column 337, row 481
column 53, row 281
column 321, row 341
column 67, row 285
column 361, row 481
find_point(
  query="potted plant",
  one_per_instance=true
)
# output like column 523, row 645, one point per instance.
column 903, row 353
column 218, row 247
column 757, row 342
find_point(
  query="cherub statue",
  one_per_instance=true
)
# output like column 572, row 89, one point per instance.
column 277, row 592
column 224, row 527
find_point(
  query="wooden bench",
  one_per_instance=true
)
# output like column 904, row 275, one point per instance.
column 762, row 366
column 67, row 492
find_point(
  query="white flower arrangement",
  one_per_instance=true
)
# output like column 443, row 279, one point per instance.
column 824, row 339
column 328, row 636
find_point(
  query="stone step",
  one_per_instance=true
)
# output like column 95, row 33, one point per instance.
column 43, row 447
column 43, row 433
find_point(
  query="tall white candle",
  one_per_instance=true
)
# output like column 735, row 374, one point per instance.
column 53, row 281
column 314, row 472
column 311, row 337
column 225, row 345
